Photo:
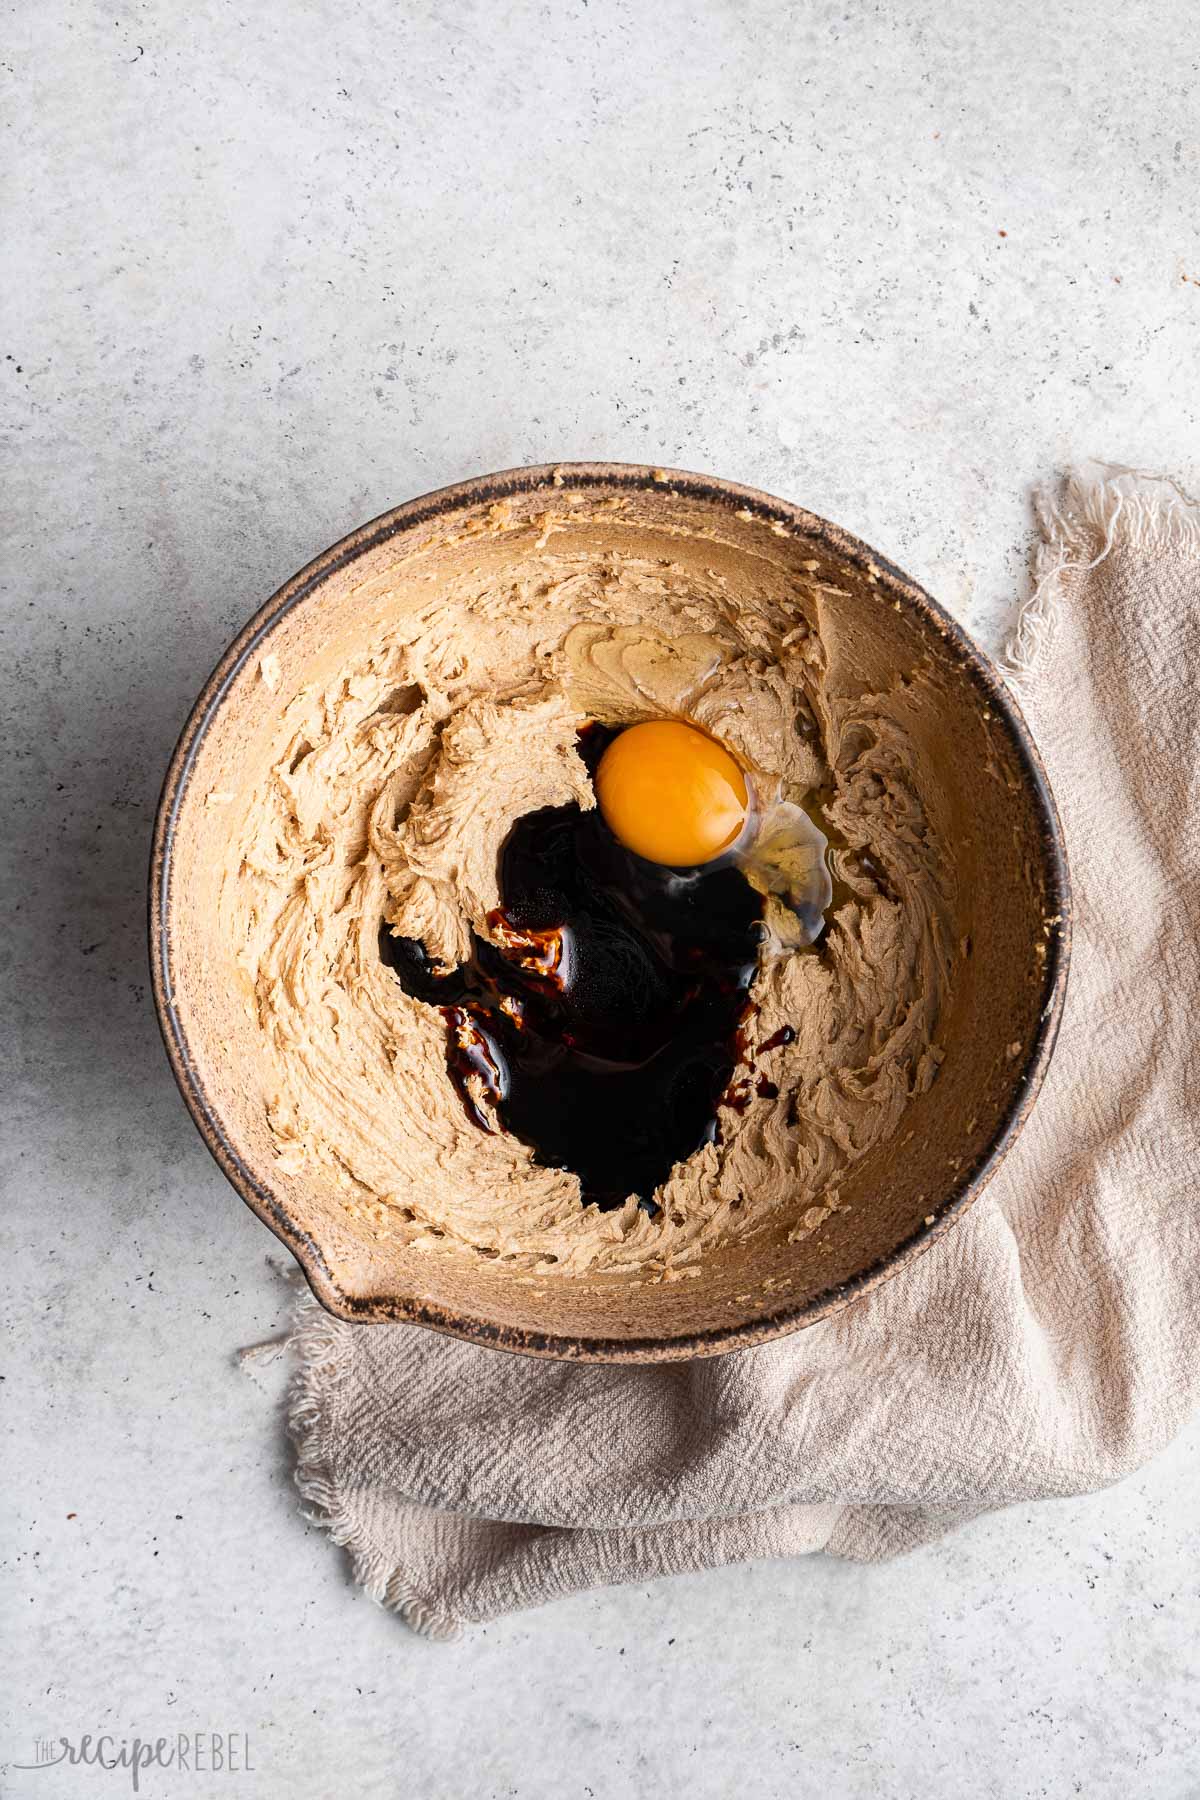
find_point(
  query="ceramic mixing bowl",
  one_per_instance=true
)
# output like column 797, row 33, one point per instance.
column 1013, row 909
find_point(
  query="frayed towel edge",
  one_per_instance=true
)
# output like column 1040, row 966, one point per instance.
column 317, row 1341
column 1082, row 518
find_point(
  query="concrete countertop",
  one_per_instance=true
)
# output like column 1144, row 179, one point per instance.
column 269, row 271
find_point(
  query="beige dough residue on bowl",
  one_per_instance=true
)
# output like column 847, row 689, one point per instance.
column 400, row 773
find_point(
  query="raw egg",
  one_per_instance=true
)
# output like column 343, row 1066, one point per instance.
column 672, row 794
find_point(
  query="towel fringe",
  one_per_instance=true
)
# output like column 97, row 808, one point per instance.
column 317, row 1341
column 1109, row 502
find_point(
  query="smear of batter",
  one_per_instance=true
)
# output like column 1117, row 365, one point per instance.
column 399, row 785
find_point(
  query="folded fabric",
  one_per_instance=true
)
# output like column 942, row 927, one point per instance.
column 1046, row 1346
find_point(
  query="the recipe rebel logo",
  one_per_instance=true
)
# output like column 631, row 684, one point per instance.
column 190, row 1752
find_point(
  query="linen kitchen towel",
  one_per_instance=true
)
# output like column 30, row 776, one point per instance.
column 1046, row 1346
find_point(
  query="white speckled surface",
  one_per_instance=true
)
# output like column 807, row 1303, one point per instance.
column 263, row 280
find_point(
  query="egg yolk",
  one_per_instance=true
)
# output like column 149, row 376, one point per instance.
column 671, row 794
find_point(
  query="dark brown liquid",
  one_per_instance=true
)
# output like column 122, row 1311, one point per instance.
column 602, row 1026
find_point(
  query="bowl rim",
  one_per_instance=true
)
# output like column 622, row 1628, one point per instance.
column 482, row 490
